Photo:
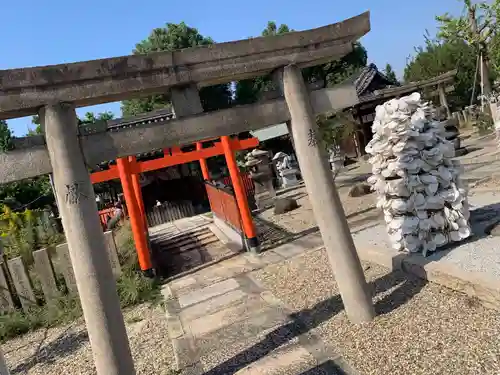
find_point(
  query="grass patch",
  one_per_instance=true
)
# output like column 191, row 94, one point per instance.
column 132, row 287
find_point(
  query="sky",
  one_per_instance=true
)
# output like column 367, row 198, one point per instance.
column 34, row 32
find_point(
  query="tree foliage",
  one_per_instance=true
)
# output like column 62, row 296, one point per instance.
column 461, row 28
column 248, row 91
column 89, row 118
column 172, row 37
column 477, row 28
column 5, row 136
column 390, row 73
column 438, row 57
column 34, row 192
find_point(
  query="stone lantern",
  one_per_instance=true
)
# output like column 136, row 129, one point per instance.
column 286, row 171
column 260, row 166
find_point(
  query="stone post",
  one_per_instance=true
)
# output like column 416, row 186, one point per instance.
column 325, row 200
column 4, row 370
column 442, row 99
column 93, row 274
column 22, row 283
column 43, row 268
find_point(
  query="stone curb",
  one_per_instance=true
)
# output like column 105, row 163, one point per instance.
column 472, row 284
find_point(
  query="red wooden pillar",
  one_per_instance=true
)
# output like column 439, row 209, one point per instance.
column 138, row 191
column 203, row 163
column 136, row 222
column 241, row 198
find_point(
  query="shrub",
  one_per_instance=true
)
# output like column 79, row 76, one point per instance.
column 23, row 232
column 133, row 288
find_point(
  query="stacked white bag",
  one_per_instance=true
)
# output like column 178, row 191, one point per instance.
column 417, row 182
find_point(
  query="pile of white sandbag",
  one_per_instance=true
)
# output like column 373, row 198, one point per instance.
column 417, row 182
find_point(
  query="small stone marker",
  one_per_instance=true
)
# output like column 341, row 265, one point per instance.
column 112, row 253
column 45, row 274
column 359, row 190
column 65, row 267
column 6, row 303
column 21, row 282
column 283, row 205
column 4, row 370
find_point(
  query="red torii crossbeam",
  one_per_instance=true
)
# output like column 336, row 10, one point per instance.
column 177, row 157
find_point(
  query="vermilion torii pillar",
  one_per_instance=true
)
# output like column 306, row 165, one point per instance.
column 203, row 163
column 241, row 197
column 136, row 219
column 138, row 192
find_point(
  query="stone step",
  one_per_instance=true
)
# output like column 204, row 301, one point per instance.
column 181, row 236
column 178, row 242
column 193, row 245
column 290, row 360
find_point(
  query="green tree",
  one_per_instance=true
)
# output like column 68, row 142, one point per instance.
column 478, row 28
column 5, row 136
column 248, row 91
column 438, row 57
column 390, row 74
column 89, row 118
column 17, row 194
column 35, row 120
column 173, row 37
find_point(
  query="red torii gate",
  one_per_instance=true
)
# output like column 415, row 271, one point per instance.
column 128, row 169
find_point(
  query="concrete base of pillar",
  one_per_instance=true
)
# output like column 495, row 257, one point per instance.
column 252, row 245
column 235, row 238
column 229, row 232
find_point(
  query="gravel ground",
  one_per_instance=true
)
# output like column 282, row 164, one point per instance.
column 489, row 183
column 66, row 349
column 421, row 328
column 358, row 210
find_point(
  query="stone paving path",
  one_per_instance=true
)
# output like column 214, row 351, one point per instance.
column 221, row 321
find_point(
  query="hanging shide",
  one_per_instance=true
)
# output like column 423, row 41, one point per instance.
column 418, row 184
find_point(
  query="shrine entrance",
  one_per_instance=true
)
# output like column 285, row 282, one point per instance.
column 141, row 215
column 66, row 150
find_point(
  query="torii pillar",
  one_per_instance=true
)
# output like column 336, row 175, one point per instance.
column 136, row 184
column 136, row 218
column 241, row 197
column 325, row 200
column 87, row 247
column 203, row 163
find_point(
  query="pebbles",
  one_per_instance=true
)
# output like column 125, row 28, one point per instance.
column 420, row 328
column 417, row 182
column 66, row 349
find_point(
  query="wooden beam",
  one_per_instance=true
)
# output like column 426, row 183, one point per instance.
column 101, row 146
column 24, row 91
column 393, row 92
column 447, row 90
column 106, row 175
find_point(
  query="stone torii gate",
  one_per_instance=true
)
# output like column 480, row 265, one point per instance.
column 66, row 151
